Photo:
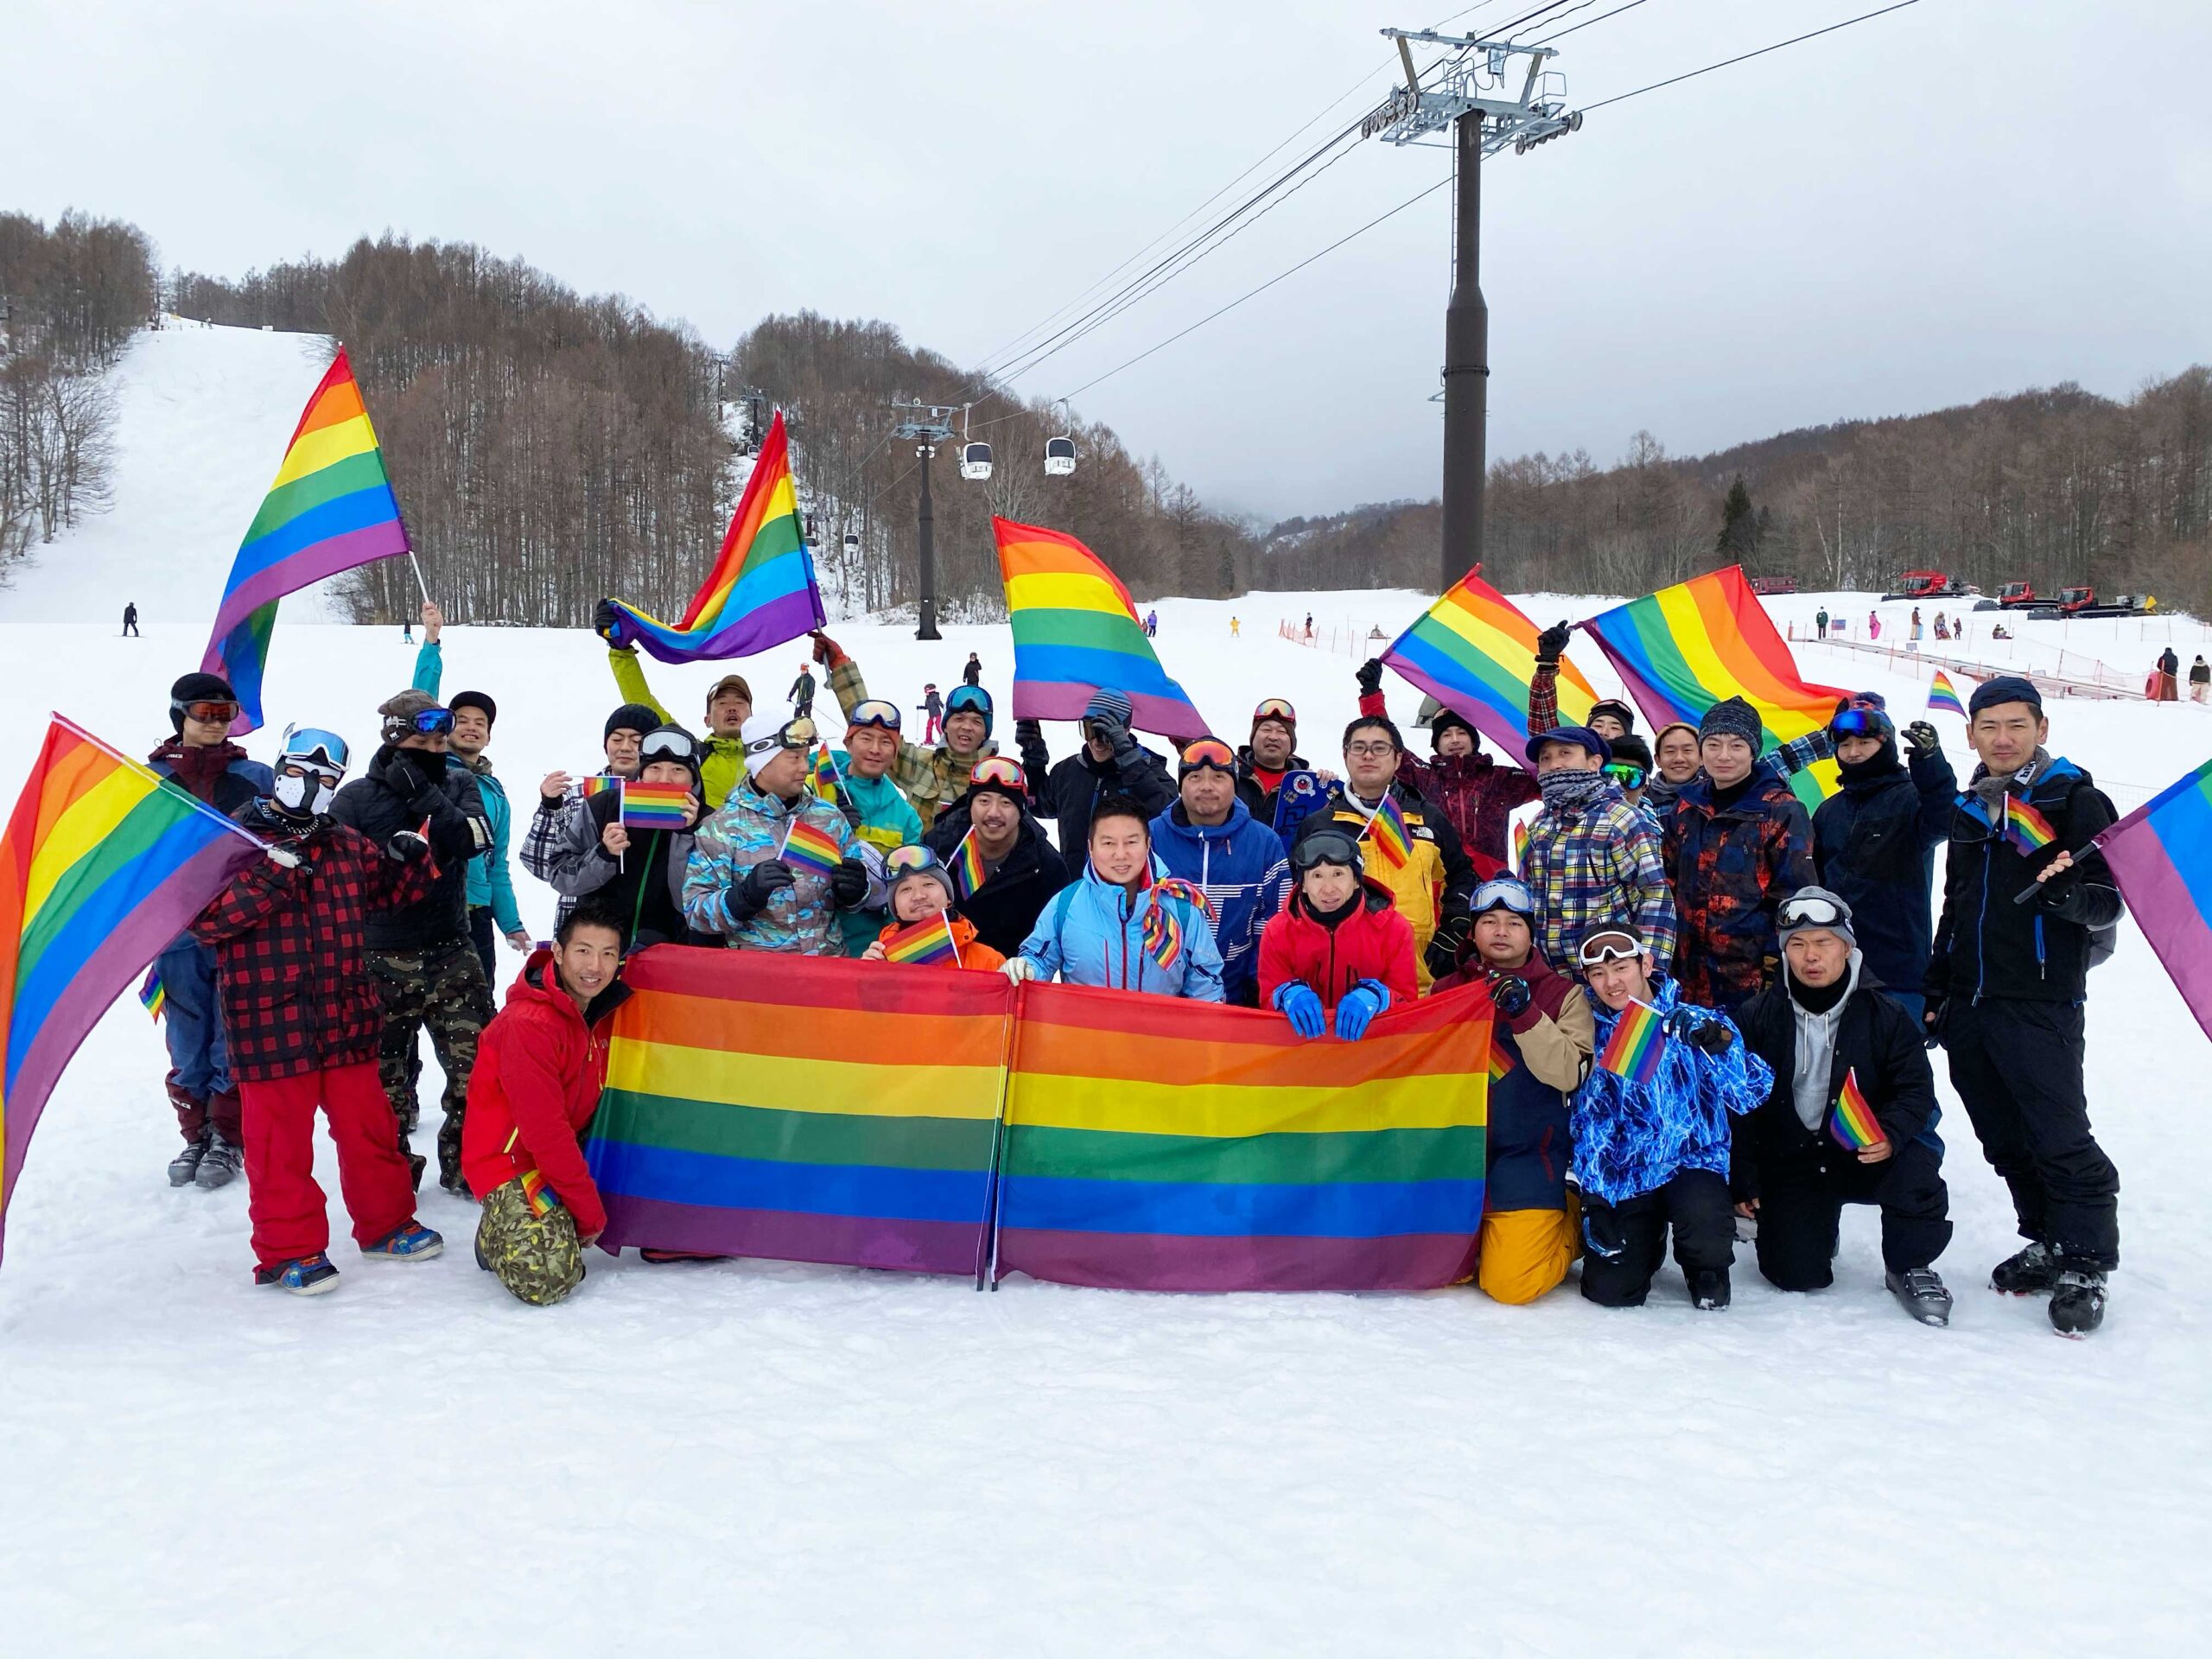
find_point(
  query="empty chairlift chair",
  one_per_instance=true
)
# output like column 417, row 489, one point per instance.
column 1059, row 457
column 976, row 461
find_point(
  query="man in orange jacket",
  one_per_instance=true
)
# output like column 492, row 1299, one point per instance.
column 540, row 1065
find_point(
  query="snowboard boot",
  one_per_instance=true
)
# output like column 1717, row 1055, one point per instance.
column 307, row 1276
column 412, row 1243
column 2027, row 1273
column 222, row 1162
column 1709, row 1289
column 1921, row 1294
column 184, row 1168
column 2077, row 1302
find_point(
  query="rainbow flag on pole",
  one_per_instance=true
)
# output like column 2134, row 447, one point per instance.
column 1155, row 1144
column 1852, row 1123
column 1700, row 642
column 1388, row 834
column 1632, row 1054
column 969, row 870
column 153, row 996
column 809, row 845
column 761, row 591
column 2161, row 855
column 924, row 943
column 1075, row 632
column 331, row 509
column 101, row 866
column 2027, row 829
column 1475, row 654
column 1943, row 696
column 656, row 806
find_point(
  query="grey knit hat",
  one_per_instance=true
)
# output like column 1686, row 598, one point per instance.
column 1732, row 718
column 1110, row 703
column 1813, row 909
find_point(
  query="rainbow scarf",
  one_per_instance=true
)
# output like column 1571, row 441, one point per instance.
column 2027, row 829
column 808, row 846
column 1685, row 648
column 924, row 943
column 101, row 866
column 1943, row 696
column 1632, row 1054
column 1075, row 632
column 1385, row 830
column 330, row 510
column 761, row 590
column 1475, row 654
column 1852, row 1123
column 1161, row 933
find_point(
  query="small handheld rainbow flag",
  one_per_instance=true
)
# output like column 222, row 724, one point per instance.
column 968, row 871
column 656, row 806
column 2026, row 828
column 924, row 943
column 823, row 776
column 1943, row 696
column 151, row 996
column 1632, row 1054
column 1521, row 846
column 1852, row 1122
column 597, row 784
column 1387, row 829
column 811, row 847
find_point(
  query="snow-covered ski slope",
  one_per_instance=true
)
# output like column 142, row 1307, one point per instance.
column 762, row 1458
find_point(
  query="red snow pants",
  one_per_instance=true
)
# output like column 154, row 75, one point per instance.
column 287, row 1208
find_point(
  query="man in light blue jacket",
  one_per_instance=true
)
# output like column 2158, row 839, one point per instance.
column 491, row 889
column 1126, row 926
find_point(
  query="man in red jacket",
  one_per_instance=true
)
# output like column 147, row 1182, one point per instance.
column 304, row 1019
column 1338, row 947
column 539, row 1068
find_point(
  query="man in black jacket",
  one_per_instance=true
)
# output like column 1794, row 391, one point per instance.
column 1021, row 868
column 2005, row 987
column 421, row 958
column 1841, row 1048
column 1110, row 762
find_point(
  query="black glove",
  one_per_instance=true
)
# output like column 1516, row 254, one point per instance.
column 1509, row 993
column 1931, row 1017
column 1551, row 642
column 607, row 622
column 1370, row 676
column 851, row 808
column 1923, row 738
column 1715, row 1037
column 408, row 847
column 849, row 884
column 1028, row 731
column 1115, row 735
column 762, row 882
column 1602, row 1232
column 1446, row 945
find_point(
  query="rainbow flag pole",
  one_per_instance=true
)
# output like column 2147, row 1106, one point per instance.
column 1476, row 654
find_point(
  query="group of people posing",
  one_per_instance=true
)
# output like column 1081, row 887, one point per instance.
column 1777, row 978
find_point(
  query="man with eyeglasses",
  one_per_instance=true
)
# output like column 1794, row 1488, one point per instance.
column 1210, row 838
column 743, row 884
column 1020, row 867
column 1432, row 885
column 1110, row 762
column 1874, row 841
column 1826, row 1027
column 200, row 758
column 930, row 777
column 1471, row 790
column 1591, row 858
column 421, row 956
column 2005, row 987
column 637, row 878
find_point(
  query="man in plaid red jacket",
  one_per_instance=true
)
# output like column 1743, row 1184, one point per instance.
column 304, row 1019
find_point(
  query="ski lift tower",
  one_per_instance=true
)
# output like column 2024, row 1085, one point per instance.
column 1468, row 91
column 925, row 426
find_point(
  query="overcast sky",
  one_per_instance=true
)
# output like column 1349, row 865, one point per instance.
column 1956, row 199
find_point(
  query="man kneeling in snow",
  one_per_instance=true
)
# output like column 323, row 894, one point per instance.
column 539, row 1068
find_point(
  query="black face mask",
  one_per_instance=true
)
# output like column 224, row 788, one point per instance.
column 432, row 766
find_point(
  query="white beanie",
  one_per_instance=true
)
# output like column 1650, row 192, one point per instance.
column 764, row 740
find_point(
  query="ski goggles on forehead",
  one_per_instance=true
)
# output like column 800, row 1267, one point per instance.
column 1609, row 945
column 668, row 746
column 1209, row 752
column 1503, row 892
column 210, row 709
column 904, row 860
column 1325, row 847
column 873, row 713
column 1857, row 721
column 1809, row 913
column 1275, row 709
column 998, row 770
column 792, row 734
column 433, row 723
column 1626, row 773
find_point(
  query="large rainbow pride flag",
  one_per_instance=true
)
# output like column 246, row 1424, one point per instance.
column 102, row 865
column 2161, row 855
column 1475, row 654
column 330, row 509
column 1702, row 641
column 1154, row 1144
column 761, row 591
column 1075, row 632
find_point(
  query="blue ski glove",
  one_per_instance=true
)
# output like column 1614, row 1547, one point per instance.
column 1297, row 1003
column 1358, row 1006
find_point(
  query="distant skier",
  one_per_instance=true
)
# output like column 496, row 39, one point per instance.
column 2200, row 678
column 932, row 705
column 1309, row 627
column 1234, row 628
column 973, row 674
column 1873, row 625
column 131, row 621
column 1151, row 623
column 802, row 692
column 407, row 630
column 1820, row 621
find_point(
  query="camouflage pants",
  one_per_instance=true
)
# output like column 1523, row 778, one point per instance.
column 441, row 990
column 539, row 1260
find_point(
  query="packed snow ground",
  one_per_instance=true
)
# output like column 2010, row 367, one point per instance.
column 769, row 1457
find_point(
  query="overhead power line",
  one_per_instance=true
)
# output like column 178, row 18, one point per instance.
column 1746, row 57
column 1600, row 18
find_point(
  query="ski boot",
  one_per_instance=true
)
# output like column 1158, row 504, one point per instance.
column 184, row 1168
column 2077, row 1302
column 1709, row 1289
column 1921, row 1293
column 307, row 1276
column 222, row 1162
column 412, row 1243
column 2028, row 1272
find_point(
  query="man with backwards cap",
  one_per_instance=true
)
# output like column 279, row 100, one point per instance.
column 1473, row 791
column 1591, row 857
column 1022, row 868
column 1110, row 762
column 931, row 779
column 729, row 705
column 738, row 884
column 2005, row 988
column 1828, row 1022
column 1210, row 838
column 200, row 758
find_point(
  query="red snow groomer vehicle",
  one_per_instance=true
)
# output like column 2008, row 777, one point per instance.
column 2019, row 596
column 2082, row 601
column 1928, row 584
